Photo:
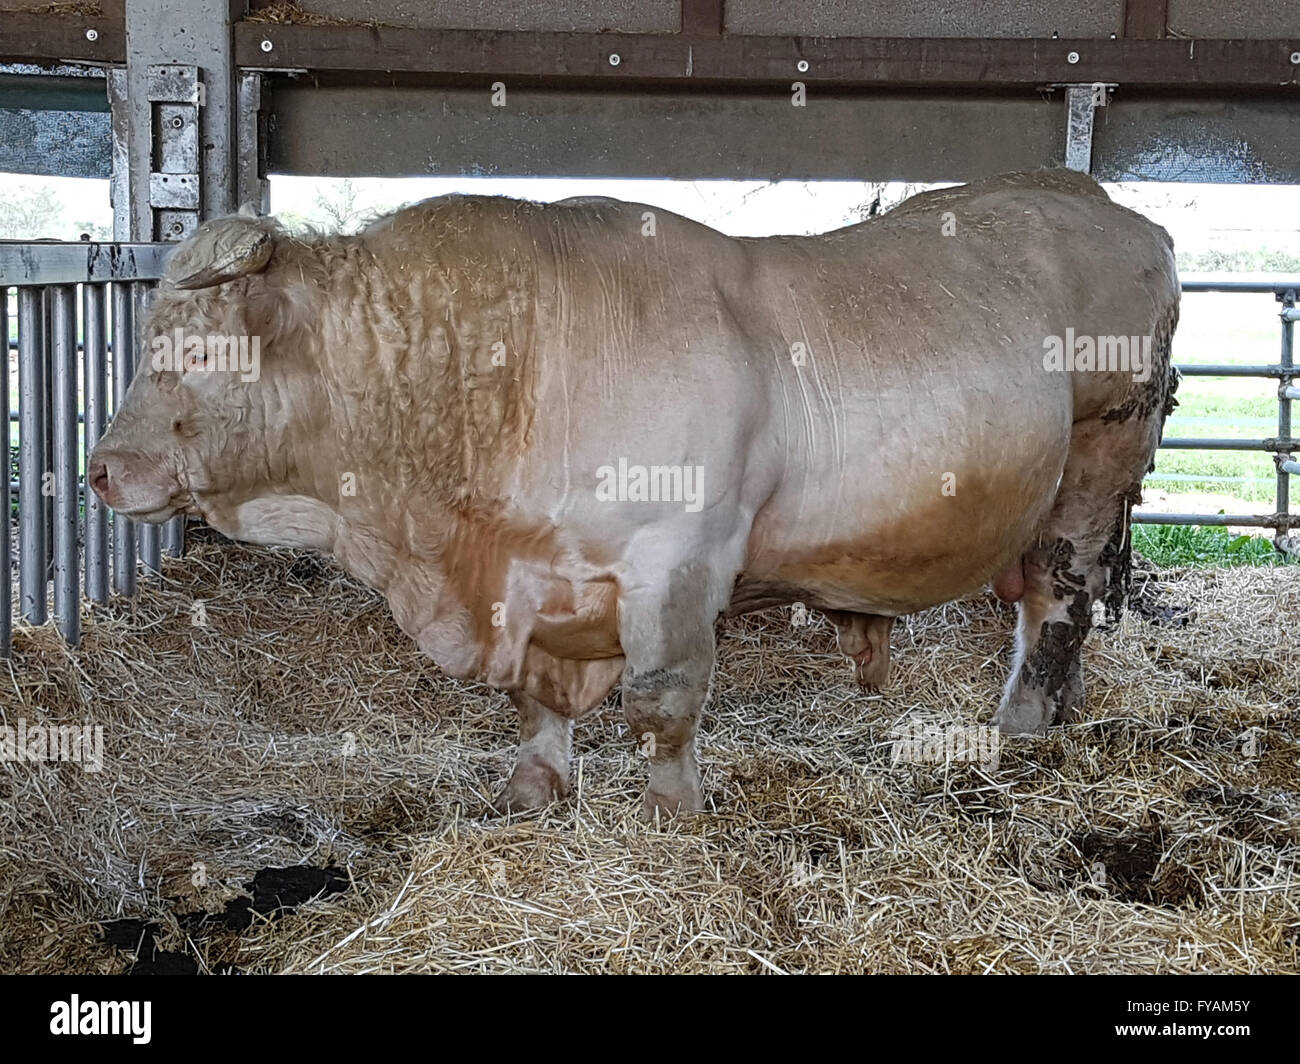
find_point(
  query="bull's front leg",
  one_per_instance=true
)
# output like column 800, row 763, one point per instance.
column 668, row 640
column 663, row 705
column 541, row 771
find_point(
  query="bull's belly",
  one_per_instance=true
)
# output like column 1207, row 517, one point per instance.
column 906, row 555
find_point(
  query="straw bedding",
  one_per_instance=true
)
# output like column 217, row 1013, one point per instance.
column 284, row 721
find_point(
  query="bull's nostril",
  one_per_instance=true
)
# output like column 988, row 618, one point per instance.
column 98, row 475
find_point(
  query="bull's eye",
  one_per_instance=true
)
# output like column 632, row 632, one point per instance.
column 178, row 426
column 195, row 360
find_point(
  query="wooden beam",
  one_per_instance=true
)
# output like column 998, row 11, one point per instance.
column 841, row 62
column 702, row 18
column 1146, row 19
column 29, row 37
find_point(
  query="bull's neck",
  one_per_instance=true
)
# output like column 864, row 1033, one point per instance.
column 415, row 401
column 427, row 368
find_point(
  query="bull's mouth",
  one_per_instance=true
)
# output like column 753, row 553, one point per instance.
column 152, row 513
column 151, row 517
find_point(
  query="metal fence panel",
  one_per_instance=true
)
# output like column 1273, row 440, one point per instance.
column 6, row 543
column 58, row 392
column 1281, row 446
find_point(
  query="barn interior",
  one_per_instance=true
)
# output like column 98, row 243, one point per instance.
column 288, row 786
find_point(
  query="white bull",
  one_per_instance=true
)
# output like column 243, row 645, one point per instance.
column 562, row 444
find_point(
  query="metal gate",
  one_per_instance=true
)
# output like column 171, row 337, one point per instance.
column 76, row 308
column 1282, row 446
column 86, row 299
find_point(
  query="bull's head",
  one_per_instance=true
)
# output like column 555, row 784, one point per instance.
column 219, row 384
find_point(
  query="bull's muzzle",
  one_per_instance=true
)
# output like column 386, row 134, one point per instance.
column 131, row 485
column 97, row 478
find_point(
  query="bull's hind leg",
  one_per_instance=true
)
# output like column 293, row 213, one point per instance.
column 1080, row 557
column 541, row 771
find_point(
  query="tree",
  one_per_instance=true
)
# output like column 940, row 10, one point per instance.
column 339, row 208
column 98, row 231
column 30, row 212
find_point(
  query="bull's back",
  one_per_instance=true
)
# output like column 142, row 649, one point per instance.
column 876, row 397
column 924, row 436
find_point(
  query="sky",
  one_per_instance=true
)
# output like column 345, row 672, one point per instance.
column 1198, row 216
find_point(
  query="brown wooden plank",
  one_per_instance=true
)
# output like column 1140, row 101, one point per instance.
column 35, row 38
column 1146, row 19
column 847, row 62
column 702, row 18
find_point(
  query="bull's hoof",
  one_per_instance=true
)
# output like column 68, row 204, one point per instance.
column 1028, row 710
column 1072, row 699
column 1025, row 717
column 677, row 804
column 533, row 785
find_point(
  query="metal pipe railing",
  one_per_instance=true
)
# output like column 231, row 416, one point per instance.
column 94, row 375
column 63, row 377
column 150, row 536
column 1281, row 446
column 124, row 529
column 1284, row 457
column 73, row 369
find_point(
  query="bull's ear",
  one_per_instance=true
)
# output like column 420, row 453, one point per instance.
column 248, row 210
column 222, row 250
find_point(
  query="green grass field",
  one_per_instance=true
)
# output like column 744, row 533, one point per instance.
column 1169, row 546
column 1228, row 328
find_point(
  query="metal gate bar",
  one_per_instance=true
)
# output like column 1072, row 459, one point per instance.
column 149, row 536
column 123, row 366
column 94, row 318
column 67, row 559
